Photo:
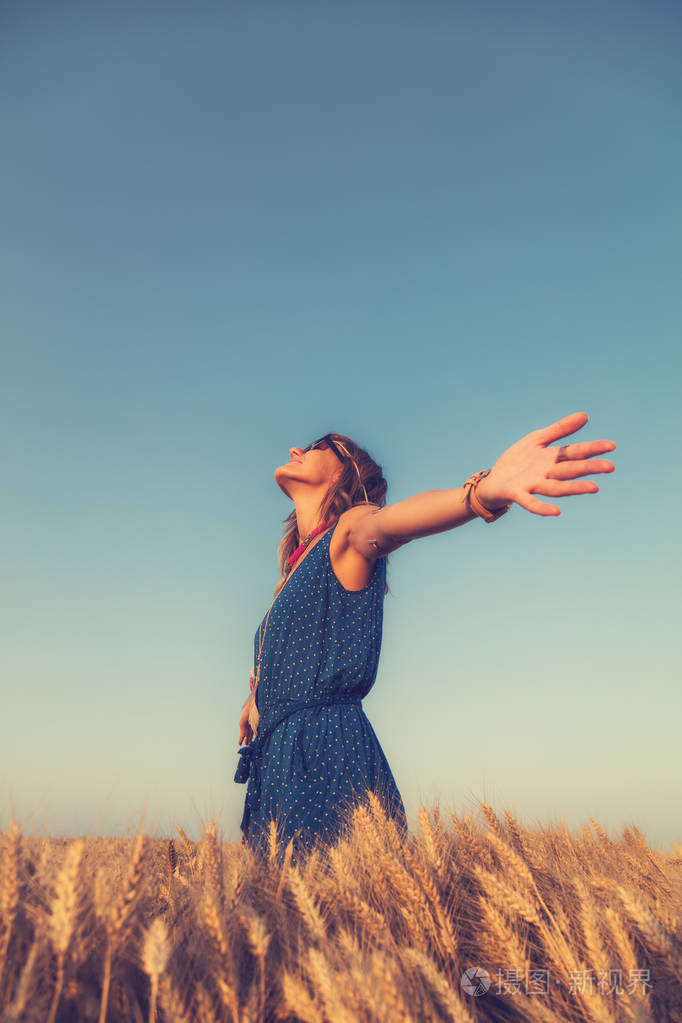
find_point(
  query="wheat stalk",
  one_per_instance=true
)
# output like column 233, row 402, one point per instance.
column 348, row 944
column 362, row 837
column 364, row 993
column 508, row 896
column 191, row 852
column 298, row 1000
column 62, row 918
column 286, row 863
column 16, row 1008
column 627, row 957
column 471, row 848
column 491, row 817
column 371, row 919
column 456, row 1009
column 342, row 868
column 405, row 889
column 554, row 938
column 387, row 985
column 118, row 916
column 594, row 944
column 621, row 940
column 387, row 824
column 9, row 891
column 205, row 1007
column 273, row 844
column 642, row 844
column 642, row 877
column 654, row 934
column 155, row 954
column 227, row 987
column 211, row 858
column 327, row 984
column 605, row 841
column 515, row 864
column 515, row 835
column 238, row 878
column 499, row 934
column 344, row 892
column 428, row 839
column 446, row 939
column 229, row 998
column 122, row 910
column 214, row 923
column 63, row 914
column 258, row 939
column 306, row 906
column 173, row 1008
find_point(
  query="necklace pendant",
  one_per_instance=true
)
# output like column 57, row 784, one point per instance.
column 304, row 543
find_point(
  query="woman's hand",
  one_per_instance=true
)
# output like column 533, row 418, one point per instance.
column 245, row 730
column 531, row 466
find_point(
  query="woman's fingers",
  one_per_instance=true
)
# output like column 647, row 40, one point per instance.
column 562, row 427
column 569, row 470
column 586, row 450
column 531, row 504
column 555, row 488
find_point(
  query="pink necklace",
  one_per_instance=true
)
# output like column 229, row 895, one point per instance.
column 304, row 543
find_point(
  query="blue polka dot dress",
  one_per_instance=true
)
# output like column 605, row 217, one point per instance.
column 315, row 751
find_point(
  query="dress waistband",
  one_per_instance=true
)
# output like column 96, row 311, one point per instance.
column 249, row 763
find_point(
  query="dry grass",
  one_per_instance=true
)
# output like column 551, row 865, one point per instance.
column 372, row 929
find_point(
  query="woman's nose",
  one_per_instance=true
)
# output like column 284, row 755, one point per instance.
column 297, row 451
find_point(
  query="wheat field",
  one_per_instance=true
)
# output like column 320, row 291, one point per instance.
column 463, row 921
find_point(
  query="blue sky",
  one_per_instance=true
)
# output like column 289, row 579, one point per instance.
column 229, row 228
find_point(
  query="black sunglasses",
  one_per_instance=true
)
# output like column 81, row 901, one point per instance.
column 325, row 442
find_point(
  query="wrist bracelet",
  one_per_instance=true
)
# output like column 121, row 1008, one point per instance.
column 475, row 504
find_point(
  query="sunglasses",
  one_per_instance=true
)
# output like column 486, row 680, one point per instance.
column 322, row 444
column 326, row 442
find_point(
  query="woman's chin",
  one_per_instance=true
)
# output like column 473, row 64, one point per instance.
column 282, row 477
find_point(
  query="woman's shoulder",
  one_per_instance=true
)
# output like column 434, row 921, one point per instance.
column 353, row 571
column 348, row 521
column 351, row 516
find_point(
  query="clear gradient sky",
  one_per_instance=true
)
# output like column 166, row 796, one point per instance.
column 230, row 227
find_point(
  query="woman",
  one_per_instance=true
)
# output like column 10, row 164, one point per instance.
column 317, row 647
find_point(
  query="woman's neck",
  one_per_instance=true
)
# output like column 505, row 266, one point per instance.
column 307, row 514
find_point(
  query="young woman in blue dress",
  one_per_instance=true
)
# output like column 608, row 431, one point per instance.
column 316, row 649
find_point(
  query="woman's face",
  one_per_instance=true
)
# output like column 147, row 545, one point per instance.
column 316, row 468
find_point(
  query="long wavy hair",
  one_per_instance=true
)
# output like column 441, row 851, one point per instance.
column 360, row 482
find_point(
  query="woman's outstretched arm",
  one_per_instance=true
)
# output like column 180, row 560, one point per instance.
column 381, row 530
column 530, row 466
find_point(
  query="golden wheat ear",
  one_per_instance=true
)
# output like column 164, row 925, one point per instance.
column 171, row 857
